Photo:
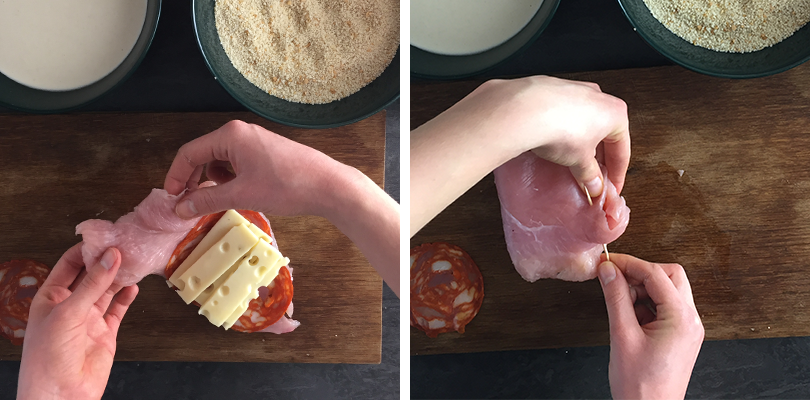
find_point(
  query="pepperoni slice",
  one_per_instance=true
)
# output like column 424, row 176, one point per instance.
column 447, row 288
column 204, row 225
column 19, row 282
column 269, row 307
column 272, row 303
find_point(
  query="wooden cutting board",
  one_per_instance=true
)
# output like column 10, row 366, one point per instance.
column 57, row 171
column 738, row 219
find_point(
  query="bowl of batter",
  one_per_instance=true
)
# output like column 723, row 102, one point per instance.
column 313, row 64
column 453, row 39
column 59, row 56
column 730, row 39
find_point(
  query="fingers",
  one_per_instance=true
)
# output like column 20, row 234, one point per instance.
column 193, row 182
column 96, row 283
column 620, row 308
column 656, row 282
column 69, row 266
column 197, row 153
column 644, row 314
column 78, row 280
column 638, row 293
column 617, row 149
column 678, row 277
column 218, row 172
column 118, row 308
column 206, row 201
column 589, row 175
column 104, row 301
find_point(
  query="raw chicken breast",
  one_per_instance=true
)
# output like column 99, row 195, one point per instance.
column 551, row 231
column 284, row 325
column 145, row 237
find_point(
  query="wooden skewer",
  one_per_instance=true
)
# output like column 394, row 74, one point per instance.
column 590, row 202
column 588, row 195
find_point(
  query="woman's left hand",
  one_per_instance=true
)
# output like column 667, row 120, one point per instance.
column 70, row 339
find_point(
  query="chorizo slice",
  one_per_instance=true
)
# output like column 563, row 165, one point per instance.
column 447, row 288
column 19, row 282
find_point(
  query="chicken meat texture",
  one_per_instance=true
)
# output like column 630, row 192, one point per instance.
column 146, row 237
column 551, row 230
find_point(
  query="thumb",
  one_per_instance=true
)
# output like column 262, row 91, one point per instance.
column 204, row 201
column 589, row 174
column 621, row 314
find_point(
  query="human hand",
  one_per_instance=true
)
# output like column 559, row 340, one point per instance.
column 278, row 176
column 566, row 122
column 652, row 353
column 271, row 173
column 70, row 340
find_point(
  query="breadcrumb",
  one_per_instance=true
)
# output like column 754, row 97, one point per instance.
column 309, row 51
column 732, row 26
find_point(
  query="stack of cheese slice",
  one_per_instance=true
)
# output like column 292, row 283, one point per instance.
column 225, row 271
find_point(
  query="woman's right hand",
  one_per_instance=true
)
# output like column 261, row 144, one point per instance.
column 278, row 176
column 566, row 122
column 271, row 173
column 653, row 346
column 570, row 123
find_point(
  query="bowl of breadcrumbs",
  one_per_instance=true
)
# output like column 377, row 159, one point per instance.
column 726, row 38
column 305, row 63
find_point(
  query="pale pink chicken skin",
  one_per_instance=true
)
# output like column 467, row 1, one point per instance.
column 146, row 238
column 550, row 229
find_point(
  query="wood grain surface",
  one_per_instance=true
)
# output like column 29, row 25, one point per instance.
column 738, row 219
column 57, row 171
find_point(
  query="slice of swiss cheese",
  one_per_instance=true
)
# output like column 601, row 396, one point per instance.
column 243, row 284
column 260, row 233
column 206, row 294
column 237, row 314
column 214, row 262
column 230, row 219
column 267, row 279
column 245, row 304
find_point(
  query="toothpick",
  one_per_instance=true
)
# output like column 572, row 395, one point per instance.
column 588, row 195
column 590, row 202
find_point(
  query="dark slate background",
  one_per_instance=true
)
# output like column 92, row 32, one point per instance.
column 173, row 78
column 588, row 35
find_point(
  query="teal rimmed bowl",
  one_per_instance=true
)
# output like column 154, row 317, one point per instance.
column 368, row 101
column 427, row 65
column 19, row 97
column 780, row 57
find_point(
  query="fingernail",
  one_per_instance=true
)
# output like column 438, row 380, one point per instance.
column 607, row 272
column 108, row 259
column 594, row 187
column 186, row 209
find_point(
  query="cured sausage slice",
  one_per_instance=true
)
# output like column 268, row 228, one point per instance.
column 19, row 282
column 447, row 288
column 270, row 306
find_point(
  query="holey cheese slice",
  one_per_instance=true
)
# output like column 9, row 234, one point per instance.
column 216, row 261
column 225, row 271
column 242, row 285
column 266, row 281
column 206, row 294
column 230, row 219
